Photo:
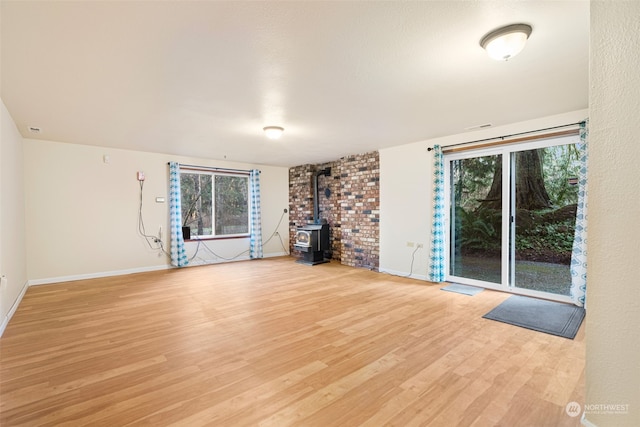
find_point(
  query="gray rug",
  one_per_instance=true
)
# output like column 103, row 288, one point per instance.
column 462, row 289
column 554, row 318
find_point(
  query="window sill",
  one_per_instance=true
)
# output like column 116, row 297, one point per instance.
column 196, row 239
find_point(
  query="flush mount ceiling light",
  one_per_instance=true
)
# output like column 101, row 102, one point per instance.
column 273, row 132
column 506, row 42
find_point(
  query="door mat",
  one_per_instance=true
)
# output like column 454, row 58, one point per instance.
column 551, row 317
column 462, row 289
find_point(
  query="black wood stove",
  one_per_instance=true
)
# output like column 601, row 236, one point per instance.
column 312, row 240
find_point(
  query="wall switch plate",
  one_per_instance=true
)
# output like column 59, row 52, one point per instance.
column 160, row 199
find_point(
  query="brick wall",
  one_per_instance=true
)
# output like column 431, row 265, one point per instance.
column 349, row 201
column 301, row 201
column 360, row 210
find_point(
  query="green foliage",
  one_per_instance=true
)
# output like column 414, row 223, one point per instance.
column 542, row 235
column 472, row 179
column 480, row 229
column 560, row 163
column 195, row 189
column 232, row 211
column 231, row 203
column 545, row 240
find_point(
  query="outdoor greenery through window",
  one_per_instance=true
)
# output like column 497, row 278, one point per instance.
column 215, row 204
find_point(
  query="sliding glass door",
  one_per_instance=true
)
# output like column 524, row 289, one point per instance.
column 546, row 197
column 512, row 216
column 476, row 218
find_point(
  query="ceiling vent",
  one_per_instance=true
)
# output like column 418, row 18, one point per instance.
column 34, row 129
column 486, row 125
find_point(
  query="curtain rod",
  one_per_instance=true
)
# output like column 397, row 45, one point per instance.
column 506, row 136
column 214, row 169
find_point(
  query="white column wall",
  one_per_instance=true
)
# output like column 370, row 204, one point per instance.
column 613, row 284
column 13, row 261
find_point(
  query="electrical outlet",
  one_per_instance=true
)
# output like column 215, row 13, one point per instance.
column 410, row 244
column 140, row 176
column 420, row 246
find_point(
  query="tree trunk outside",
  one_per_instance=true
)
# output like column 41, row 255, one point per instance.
column 531, row 193
column 494, row 197
column 200, row 222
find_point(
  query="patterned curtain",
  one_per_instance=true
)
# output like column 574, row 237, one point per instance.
column 436, row 260
column 178, row 253
column 255, row 221
column 579, row 253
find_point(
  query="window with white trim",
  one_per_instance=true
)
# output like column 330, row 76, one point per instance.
column 215, row 204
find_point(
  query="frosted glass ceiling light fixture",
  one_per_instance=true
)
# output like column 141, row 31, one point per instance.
column 506, row 42
column 273, row 132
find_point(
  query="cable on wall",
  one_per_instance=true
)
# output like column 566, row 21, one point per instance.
column 151, row 240
column 141, row 229
column 413, row 258
column 154, row 240
column 208, row 249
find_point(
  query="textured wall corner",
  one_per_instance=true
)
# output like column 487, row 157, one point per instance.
column 613, row 299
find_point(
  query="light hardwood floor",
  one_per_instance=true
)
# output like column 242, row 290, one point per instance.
column 276, row 343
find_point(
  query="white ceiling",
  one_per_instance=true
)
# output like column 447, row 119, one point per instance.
column 203, row 78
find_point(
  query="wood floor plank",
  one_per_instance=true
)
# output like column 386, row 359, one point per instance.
column 275, row 343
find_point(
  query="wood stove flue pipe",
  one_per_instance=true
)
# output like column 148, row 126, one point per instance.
column 316, row 195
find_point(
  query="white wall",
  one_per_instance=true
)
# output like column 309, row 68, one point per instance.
column 405, row 206
column 406, row 176
column 613, row 290
column 82, row 213
column 13, row 264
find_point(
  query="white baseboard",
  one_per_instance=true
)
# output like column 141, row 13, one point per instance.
column 13, row 309
column 275, row 254
column 404, row 274
column 61, row 279
column 200, row 262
